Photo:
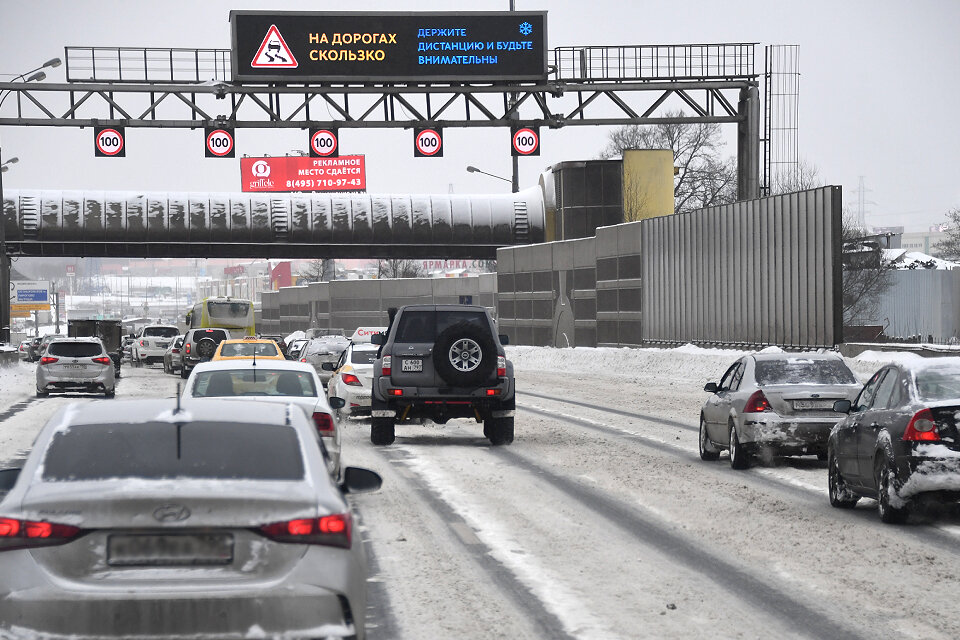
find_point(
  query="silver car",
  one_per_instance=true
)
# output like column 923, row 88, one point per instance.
column 146, row 519
column 774, row 404
column 173, row 356
column 278, row 381
column 76, row 364
column 324, row 349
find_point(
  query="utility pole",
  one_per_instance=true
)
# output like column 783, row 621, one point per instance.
column 514, row 116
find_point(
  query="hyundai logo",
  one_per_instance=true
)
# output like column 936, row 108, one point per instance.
column 171, row 513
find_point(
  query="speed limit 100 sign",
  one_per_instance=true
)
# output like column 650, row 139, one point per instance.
column 427, row 143
column 108, row 142
column 324, row 143
column 219, row 142
column 526, row 142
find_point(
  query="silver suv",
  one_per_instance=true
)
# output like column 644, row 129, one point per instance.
column 441, row 362
column 199, row 345
column 76, row 364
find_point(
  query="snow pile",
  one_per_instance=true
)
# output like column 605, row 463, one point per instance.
column 15, row 382
column 903, row 259
column 296, row 335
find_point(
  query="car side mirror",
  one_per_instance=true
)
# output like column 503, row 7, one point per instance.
column 842, row 406
column 710, row 387
column 8, row 478
column 336, row 402
column 504, row 339
column 327, row 366
column 360, row 480
column 376, row 338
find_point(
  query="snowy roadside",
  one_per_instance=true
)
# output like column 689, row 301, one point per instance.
column 17, row 383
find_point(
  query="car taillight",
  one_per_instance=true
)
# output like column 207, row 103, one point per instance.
column 501, row 366
column 303, row 359
column 349, row 378
column 757, row 403
column 48, row 360
column 102, row 360
column 141, row 343
column 324, row 424
column 922, row 428
column 176, row 351
column 386, row 366
column 21, row 534
column 333, row 530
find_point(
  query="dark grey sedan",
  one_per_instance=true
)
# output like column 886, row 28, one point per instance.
column 899, row 442
column 142, row 519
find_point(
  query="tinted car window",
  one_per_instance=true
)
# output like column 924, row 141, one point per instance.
column 160, row 332
column 938, row 384
column 253, row 382
column 74, row 349
column 363, row 357
column 425, row 326
column 215, row 334
column 156, row 450
column 737, row 377
column 803, row 371
column 882, row 400
column 238, row 349
column 728, row 376
column 862, row 403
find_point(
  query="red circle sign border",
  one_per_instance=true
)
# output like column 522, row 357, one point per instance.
column 217, row 152
column 513, row 141
column 318, row 151
column 115, row 151
column 439, row 139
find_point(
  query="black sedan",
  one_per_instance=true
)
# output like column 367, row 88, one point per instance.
column 899, row 442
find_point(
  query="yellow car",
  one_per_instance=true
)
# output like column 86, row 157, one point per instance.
column 247, row 349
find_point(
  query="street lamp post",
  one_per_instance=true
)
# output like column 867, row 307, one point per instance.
column 472, row 169
column 35, row 75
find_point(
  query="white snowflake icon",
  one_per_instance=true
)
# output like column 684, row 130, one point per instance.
column 526, row 28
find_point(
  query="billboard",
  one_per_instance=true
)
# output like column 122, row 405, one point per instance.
column 301, row 173
column 315, row 46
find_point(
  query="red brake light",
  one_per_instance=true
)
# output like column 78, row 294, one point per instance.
column 303, row 359
column 757, row 403
column 922, row 428
column 175, row 351
column 141, row 343
column 501, row 366
column 188, row 348
column 19, row 534
column 395, row 392
column 386, row 365
column 333, row 530
column 349, row 378
column 102, row 360
column 324, row 423
column 493, row 392
column 48, row 360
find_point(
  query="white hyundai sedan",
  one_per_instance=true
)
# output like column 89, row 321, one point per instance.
column 279, row 381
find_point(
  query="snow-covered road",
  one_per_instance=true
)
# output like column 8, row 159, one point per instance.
column 601, row 521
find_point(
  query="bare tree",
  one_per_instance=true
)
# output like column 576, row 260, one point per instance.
column 317, row 270
column 949, row 247
column 399, row 268
column 704, row 177
column 867, row 273
column 807, row 176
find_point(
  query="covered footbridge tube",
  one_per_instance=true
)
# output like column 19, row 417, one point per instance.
column 243, row 225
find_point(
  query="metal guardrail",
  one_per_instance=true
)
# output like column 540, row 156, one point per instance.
column 591, row 63
column 155, row 65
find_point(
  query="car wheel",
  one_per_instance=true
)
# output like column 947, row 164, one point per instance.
column 166, row 369
column 885, row 484
column 382, row 431
column 464, row 355
column 184, row 373
column 707, row 450
column 500, row 430
column 840, row 496
column 42, row 394
column 822, row 455
column 110, row 394
column 739, row 459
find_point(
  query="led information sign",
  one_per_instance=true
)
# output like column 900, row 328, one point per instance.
column 323, row 46
column 301, row 173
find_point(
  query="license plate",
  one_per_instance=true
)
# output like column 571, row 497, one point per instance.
column 74, row 366
column 411, row 364
column 813, row 404
column 170, row 550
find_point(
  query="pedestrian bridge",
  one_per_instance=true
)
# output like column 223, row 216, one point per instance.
column 245, row 225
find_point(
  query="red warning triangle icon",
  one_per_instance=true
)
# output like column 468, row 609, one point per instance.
column 274, row 52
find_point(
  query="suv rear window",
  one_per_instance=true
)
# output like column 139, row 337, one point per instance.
column 214, row 334
column 161, row 332
column 425, row 326
column 803, row 371
column 159, row 450
column 74, row 349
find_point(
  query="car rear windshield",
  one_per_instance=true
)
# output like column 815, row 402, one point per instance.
column 425, row 326
column 248, row 349
column 74, row 349
column 161, row 332
column 938, row 384
column 214, row 334
column 158, row 450
column 363, row 357
column 803, row 371
column 253, row 382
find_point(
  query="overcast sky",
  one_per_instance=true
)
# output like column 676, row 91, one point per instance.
column 879, row 94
